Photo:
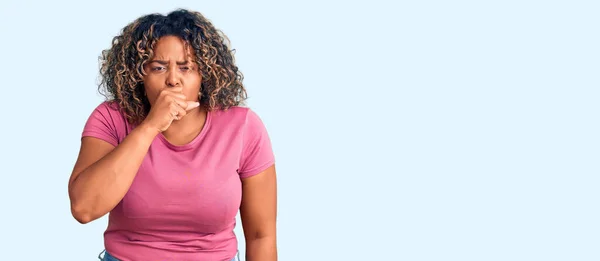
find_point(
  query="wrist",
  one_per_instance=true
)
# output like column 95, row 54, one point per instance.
column 148, row 130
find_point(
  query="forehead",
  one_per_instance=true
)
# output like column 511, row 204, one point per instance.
column 172, row 47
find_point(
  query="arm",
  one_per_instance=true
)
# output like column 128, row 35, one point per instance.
column 103, row 173
column 258, row 212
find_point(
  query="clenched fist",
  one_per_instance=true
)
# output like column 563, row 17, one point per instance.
column 170, row 105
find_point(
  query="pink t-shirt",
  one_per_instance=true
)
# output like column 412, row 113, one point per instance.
column 184, row 199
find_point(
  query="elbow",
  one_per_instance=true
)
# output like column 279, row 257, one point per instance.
column 260, row 236
column 82, row 216
column 81, row 212
column 83, row 219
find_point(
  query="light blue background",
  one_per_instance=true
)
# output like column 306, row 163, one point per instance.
column 420, row 130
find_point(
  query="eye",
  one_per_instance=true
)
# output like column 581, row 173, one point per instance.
column 185, row 68
column 157, row 68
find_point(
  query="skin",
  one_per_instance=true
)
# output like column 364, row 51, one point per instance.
column 259, row 213
column 103, row 173
column 173, row 70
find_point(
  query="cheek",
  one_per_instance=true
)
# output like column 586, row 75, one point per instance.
column 192, row 93
column 151, row 93
column 193, row 86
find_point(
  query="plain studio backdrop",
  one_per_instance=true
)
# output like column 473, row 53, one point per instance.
column 403, row 130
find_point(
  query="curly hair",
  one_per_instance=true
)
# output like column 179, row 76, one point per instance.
column 122, row 65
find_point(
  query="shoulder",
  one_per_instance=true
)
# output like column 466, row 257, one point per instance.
column 107, row 120
column 240, row 119
column 110, row 107
column 236, row 115
column 110, row 112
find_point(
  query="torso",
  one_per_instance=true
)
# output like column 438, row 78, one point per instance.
column 184, row 198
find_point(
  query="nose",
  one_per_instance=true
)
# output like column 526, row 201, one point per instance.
column 173, row 79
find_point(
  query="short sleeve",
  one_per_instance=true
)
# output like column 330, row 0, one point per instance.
column 257, row 152
column 103, row 124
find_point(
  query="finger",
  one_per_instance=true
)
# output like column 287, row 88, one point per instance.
column 171, row 90
column 178, row 113
column 181, row 112
column 191, row 105
column 175, row 108
column 180, row 102
column 178, row 96
column 179, row 99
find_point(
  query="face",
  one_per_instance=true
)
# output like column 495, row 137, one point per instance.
column 172, row 66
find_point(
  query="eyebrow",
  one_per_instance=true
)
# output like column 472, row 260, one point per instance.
column 165, row 62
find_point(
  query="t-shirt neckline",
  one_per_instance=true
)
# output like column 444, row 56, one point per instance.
column 190, row 144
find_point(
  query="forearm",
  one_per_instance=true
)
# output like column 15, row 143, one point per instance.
column 101, row 186
column 261, row 249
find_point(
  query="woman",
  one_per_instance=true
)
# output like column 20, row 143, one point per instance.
column 172, row 155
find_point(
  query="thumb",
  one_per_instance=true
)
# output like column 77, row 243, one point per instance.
column 191, row 105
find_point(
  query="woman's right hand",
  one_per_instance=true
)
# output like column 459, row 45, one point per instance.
column 170, row 105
